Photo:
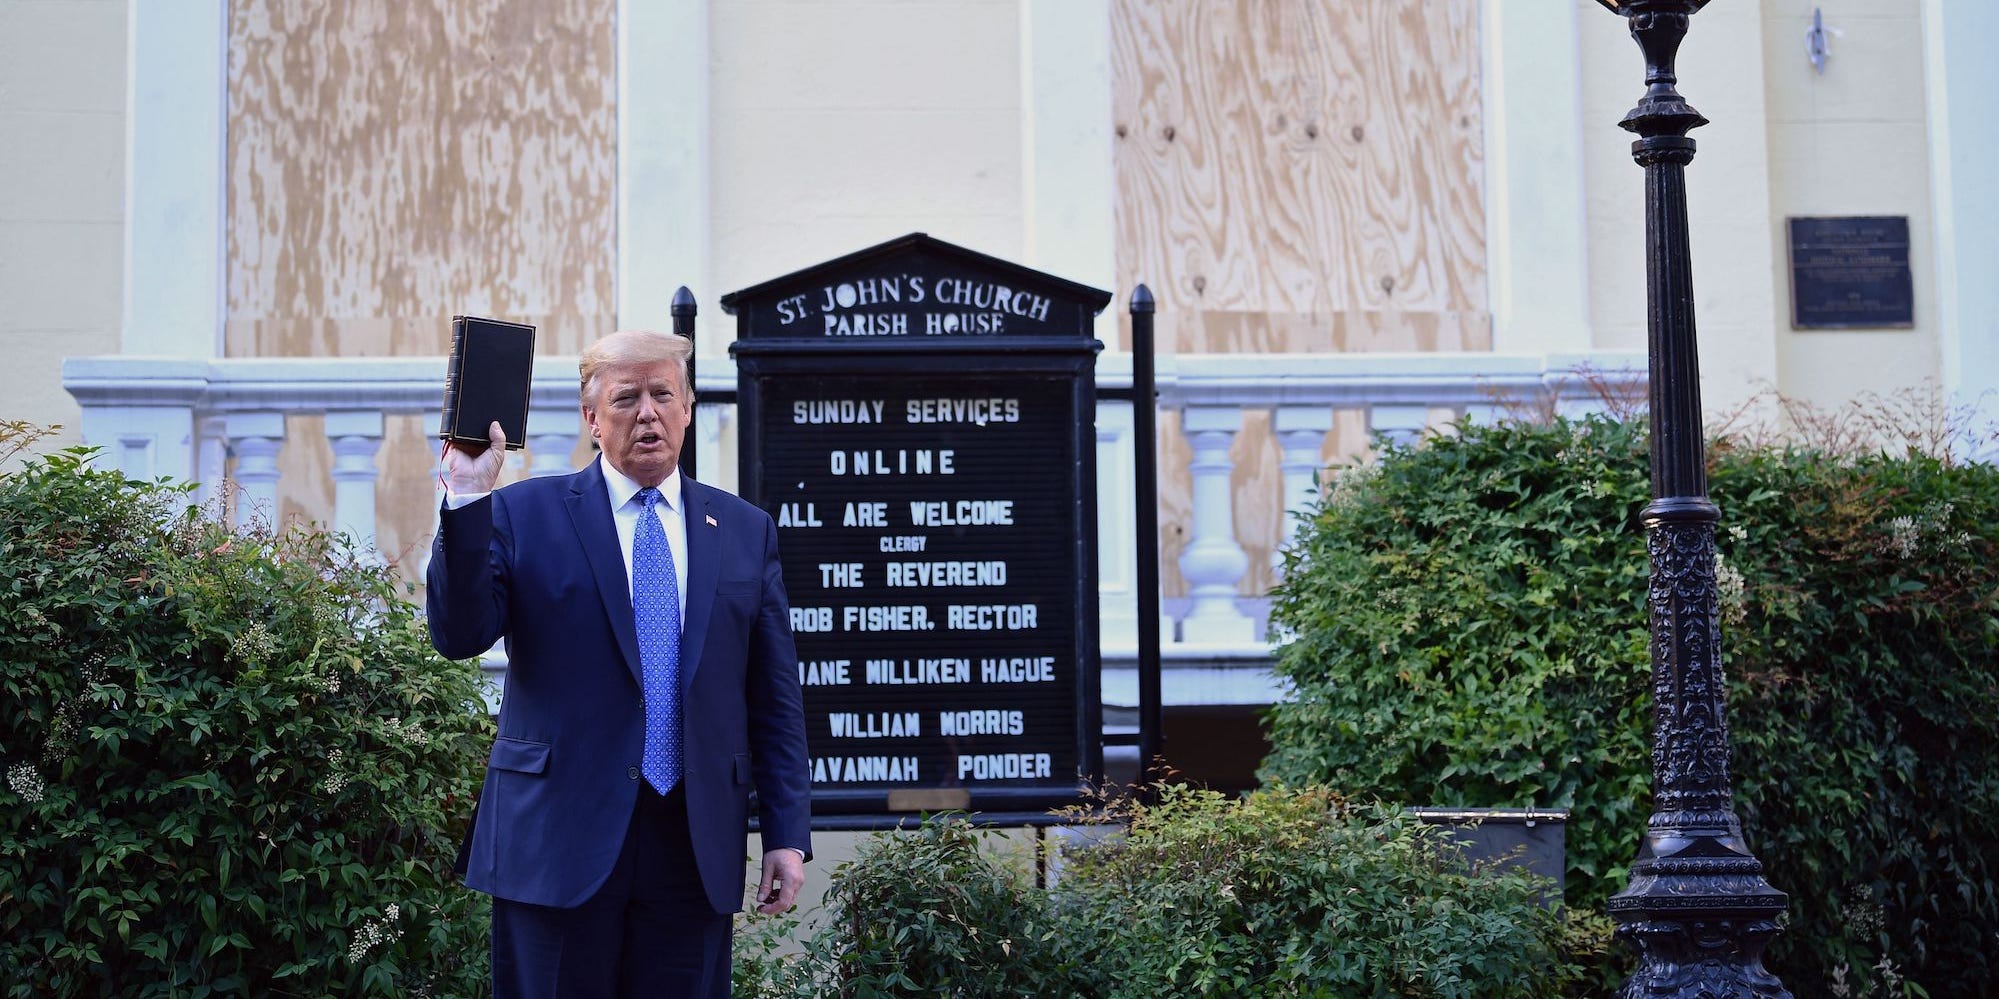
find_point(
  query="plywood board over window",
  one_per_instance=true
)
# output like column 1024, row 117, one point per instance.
column 1311, row 172
column 1297, row 176
column 393, row 162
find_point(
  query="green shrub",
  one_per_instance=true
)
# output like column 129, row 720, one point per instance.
column 1297, row 893
column 1285, row 893
column 920, row 913
column 233, row 764
column 1469, row 627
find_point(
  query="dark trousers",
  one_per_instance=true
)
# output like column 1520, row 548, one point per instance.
column 649, row 933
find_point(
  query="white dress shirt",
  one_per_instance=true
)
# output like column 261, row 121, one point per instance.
column 625, row 510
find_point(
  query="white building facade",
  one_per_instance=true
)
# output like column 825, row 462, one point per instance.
column 234, row 230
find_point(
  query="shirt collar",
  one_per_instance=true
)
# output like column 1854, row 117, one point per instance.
column 622, row 489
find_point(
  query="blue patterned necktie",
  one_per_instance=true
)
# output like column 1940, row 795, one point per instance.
column 656, row 611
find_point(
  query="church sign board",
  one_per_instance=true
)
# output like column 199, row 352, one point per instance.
column 918, row 418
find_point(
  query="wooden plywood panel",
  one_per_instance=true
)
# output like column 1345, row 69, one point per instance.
column 1296, row 177
column 392, row 162
column 1319, row 164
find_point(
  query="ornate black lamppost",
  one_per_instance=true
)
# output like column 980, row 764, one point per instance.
column 1697, row 909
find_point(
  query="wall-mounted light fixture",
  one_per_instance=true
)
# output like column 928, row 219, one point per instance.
column 1816, row 42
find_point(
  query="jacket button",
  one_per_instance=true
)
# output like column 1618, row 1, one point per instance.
column 633, row 773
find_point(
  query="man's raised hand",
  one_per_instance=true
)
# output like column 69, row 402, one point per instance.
column 475, row 468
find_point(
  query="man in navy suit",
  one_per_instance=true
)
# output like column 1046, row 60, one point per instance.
column 651, row 684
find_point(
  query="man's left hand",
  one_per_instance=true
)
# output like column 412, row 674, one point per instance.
column 784, row 872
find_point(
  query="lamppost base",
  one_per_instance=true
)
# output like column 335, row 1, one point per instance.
column 1698, row 912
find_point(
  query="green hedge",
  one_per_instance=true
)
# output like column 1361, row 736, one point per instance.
column 1469, row 627
column 1286, row 893
column 232, row 763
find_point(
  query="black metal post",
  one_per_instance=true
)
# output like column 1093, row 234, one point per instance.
column 1697, row 907
column 683, row 325
column 1145, row 468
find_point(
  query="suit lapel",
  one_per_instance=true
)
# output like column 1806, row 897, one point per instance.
column 590, row 510
column 704, row 552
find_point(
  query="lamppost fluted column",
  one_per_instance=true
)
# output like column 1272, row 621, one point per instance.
column 1697, row 907
column 683, row 310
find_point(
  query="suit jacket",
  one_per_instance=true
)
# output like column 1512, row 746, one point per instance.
column 538, row 563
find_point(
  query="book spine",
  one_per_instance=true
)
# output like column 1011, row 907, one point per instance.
column 527, row 396
column 453, row 375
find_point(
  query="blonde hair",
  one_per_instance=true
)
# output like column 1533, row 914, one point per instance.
column 626, row 348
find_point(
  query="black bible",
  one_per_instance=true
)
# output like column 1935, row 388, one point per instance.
column 491, row 371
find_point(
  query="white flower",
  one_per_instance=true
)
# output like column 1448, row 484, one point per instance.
column 1902, row 537
column 411, row 733
column 1907, row 534
column 1861, row 912
column 253, row 646
column 373, row 932
column 62, row 734
column 24, row 780
column 329, row 617
column 1730, row 590
column 1347, row 484
column 1891, row 979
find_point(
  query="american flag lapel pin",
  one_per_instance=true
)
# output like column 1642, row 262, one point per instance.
column 710, row 519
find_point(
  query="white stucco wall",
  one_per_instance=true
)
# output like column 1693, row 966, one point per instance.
column 62, row 142
column 836, row 125
column 1721, row 75
column 1852, row 140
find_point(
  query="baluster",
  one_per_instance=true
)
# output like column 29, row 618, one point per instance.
column 254, row 440
column 1402, row 424
column 1213, row 563
column 1301, row 431
column 211, row 462
column 356, row 436
column 551, row 441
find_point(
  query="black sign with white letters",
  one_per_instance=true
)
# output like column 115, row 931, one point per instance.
column 918, row 419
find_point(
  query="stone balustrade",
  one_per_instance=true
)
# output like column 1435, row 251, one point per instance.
column 222, row 423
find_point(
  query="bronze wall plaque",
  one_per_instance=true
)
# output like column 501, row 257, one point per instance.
column 1851, row 272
